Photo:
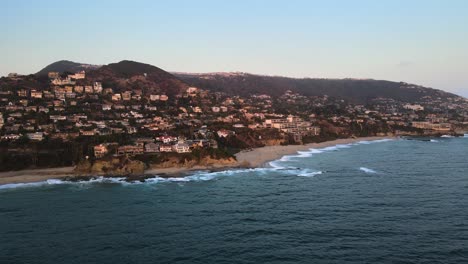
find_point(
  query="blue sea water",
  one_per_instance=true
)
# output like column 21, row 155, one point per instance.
column 399, row 201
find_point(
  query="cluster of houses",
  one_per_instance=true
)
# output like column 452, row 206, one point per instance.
column 151, row 146
column 73, row 107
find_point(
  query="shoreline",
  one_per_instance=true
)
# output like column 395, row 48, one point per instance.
column 257, row 157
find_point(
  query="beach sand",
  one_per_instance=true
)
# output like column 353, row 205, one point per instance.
column 260, row 156
column 256, row 157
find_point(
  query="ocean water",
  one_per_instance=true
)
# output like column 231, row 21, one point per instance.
column 397, row 201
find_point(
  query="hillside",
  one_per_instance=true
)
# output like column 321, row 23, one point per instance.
column 126, row 75
column 353, row 90
column 66, row 66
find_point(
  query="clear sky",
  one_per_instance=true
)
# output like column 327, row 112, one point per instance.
column 423, row 42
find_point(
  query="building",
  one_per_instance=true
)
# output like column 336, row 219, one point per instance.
column 88, row 89
column 126, row 96
column 22, row 93
column 97, row 87
column 167, row 139
column 116, row 97
column 414, row 107
column 78, row 89
column 60, row 81
column 181, row 147
column 192, row 90
column 100, row 150
column 224, row 133
column 151, row 147
column 36, row 94
column 130, row 150
column 165, row 148
column 78, row 75
column 38, row 136
column 442, row 127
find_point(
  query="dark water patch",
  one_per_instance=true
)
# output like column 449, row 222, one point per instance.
column 413, row 210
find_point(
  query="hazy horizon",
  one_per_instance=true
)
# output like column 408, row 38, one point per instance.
column 421, row 42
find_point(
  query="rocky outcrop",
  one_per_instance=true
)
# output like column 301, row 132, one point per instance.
column 175, row 162
column 112, row 166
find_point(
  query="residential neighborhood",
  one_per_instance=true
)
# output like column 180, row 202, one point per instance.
column 139, row 121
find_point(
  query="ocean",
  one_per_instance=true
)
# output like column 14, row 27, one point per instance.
column 386, row 201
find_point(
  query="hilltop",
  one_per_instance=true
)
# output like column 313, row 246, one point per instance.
column 135, row 75
column 66, row 66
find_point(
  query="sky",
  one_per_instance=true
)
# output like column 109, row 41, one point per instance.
column 418, row 41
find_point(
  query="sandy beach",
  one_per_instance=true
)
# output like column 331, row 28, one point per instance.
column 256, row 157
column 260, row 156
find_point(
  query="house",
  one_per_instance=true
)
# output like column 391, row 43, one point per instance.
column 88, row 89
column 192, row 90
column 78, row 75
column 116, row 97
column 36, row 94
column 22, row 93
column 151, row 147
column 97, row 87
column 166, row 139
column 38, row 136
column 87, row 132
column 154, row 97
column 78, row 89
column 7, row 137
column 165, row 148
column 225, row 133
column 100, row 150
column 196, row 109
column 130, row 150
column 106, row 107
column 181, row 147
column 126, row 96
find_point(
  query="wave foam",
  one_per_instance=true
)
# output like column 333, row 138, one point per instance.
column 310, row 174
column 367, row 170
column 306, row 154
column 51, row 182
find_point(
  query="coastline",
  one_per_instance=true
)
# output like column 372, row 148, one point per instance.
column 256, row 157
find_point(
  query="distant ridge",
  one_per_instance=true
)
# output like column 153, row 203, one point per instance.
column 354, row 90
column 66, row 66
column 128, row 75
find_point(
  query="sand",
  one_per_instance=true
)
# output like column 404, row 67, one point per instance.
column 260, row 156
column 257, row 157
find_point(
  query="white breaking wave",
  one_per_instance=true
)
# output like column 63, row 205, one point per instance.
column 446, row 136
column 307, row 154
column 309, row 174
column 434, row 140
column 51, row 182
column 367, row 170
column 465, row 135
